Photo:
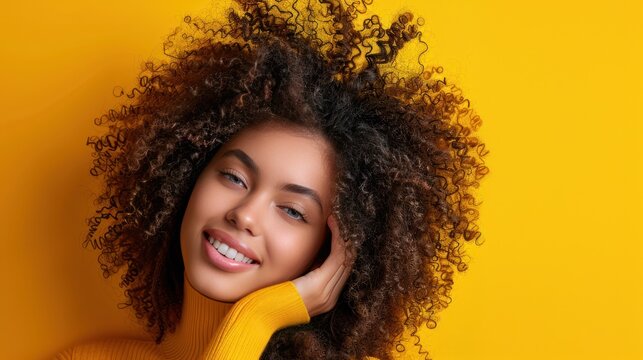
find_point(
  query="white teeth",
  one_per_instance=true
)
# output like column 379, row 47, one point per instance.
column 231, row 253
column 227, row 251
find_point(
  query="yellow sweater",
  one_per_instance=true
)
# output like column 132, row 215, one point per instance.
column 210, row 329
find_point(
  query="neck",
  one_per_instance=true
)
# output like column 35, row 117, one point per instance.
column 200, row 317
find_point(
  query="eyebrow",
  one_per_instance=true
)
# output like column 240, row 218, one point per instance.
column 293, row 188
column 245, row 159
column 298, row 189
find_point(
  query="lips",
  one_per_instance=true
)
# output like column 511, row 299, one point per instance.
column 232, row 242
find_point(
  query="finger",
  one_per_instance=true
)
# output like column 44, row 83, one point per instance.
column 343, row 272
column 338, row 246
column 339, row 284
column 335, row 276
column 330, row 271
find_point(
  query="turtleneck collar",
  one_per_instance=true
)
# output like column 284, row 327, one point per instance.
column 200, row 317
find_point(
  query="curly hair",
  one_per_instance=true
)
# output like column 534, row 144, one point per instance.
column 407, row 162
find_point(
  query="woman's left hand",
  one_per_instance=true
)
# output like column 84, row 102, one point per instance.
column 320, row 288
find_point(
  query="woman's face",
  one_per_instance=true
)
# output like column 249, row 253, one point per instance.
column 264, row 198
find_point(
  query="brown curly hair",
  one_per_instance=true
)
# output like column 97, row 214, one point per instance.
column 407, row 161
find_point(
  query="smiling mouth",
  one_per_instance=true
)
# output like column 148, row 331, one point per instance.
column 227, row 251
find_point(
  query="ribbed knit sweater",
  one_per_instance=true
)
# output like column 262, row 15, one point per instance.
column 210, row 329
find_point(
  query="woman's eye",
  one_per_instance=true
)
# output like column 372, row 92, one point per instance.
column 233, row 178
column 295, row 214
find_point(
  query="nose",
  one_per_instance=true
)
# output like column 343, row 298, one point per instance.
column 245, row 215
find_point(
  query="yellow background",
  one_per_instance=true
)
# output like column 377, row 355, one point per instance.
column 558, row 85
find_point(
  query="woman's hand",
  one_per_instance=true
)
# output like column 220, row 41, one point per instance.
column 320, row 288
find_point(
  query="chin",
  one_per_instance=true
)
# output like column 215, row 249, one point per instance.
column 220, row 290
column 223, row 297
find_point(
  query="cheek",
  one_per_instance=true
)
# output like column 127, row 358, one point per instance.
column 294, row 253
column 200, row 209
column 209, row 199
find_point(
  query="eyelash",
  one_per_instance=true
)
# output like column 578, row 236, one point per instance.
column 235, row 176
column 302, row 216
column 231, row 177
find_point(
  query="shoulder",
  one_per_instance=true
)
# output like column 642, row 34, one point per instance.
column 113, row 348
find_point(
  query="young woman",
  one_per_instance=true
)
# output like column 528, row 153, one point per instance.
column 279, row 191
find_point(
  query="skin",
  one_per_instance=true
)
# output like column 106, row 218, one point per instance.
column 284, row 229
